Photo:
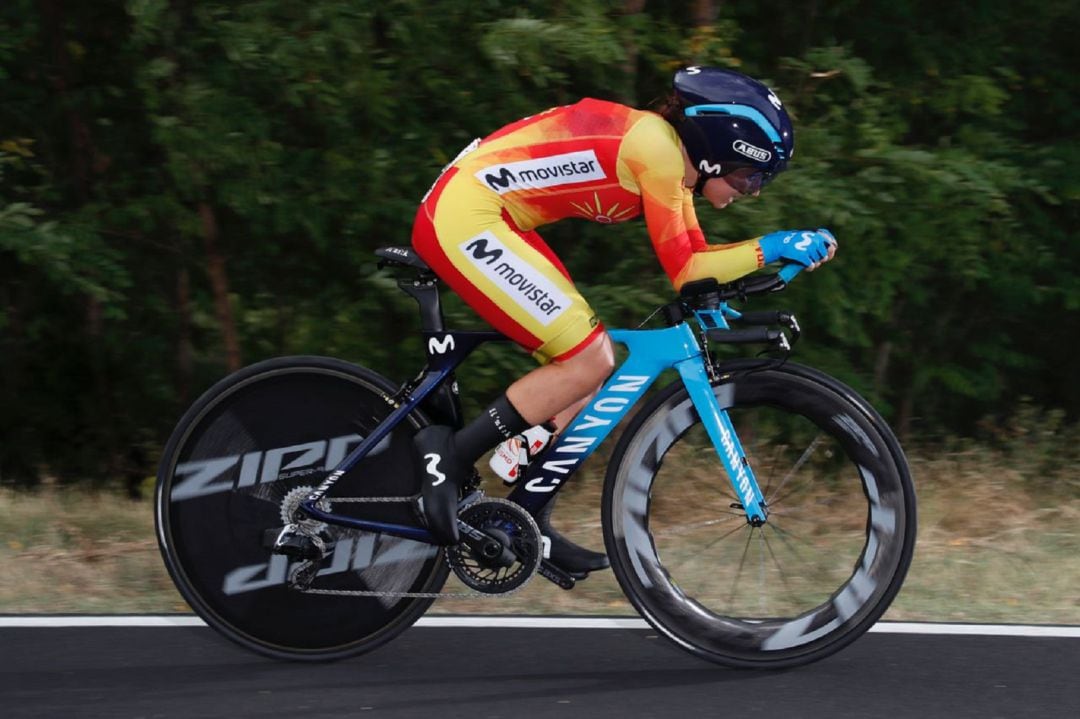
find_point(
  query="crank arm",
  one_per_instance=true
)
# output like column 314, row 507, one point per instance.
column 554, row 574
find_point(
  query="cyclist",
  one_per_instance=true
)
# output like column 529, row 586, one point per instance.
column 722, row 136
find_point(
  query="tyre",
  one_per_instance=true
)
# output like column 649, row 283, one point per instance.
column 822, row 569
column 247, row 448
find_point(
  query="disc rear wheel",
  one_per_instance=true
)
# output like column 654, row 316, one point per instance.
column 236, row 465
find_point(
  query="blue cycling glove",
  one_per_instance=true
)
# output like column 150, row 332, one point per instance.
column 802, row 246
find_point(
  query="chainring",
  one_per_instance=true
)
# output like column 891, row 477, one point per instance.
column 515, row 529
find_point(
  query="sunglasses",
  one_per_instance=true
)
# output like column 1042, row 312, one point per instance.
column 747, row 180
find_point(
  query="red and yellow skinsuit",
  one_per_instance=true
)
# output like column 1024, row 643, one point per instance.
column 596, row 160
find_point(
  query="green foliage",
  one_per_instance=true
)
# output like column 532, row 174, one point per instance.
column 546, row 53
column 937, row 141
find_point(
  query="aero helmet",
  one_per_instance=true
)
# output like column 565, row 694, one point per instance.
column 732, row 126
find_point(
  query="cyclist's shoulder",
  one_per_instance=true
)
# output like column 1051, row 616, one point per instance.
column 605, row 117
column 652, row 141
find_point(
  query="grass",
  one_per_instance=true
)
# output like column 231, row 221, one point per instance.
column 994, row 546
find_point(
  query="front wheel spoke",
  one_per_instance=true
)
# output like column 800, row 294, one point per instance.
column 723, row 536
column 776, row 561
column 797, row 466
column 802, row 514
column 792, row 535
column 698, row 552
column 796, row 516
column 738, row 572
column 795, row 492
column 685, row 528
column 775, row 456
column 785, row 538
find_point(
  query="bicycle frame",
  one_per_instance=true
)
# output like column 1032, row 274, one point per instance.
column 651, row 352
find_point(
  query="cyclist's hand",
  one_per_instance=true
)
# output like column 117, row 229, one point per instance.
column 806, row 247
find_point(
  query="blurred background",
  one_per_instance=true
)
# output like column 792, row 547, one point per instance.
column 187, row 187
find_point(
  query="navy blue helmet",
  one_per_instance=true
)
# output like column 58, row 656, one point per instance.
column 732, row 127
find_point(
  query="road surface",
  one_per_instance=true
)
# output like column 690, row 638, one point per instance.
column 481, row 672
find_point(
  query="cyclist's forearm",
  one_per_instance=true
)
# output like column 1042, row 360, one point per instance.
column 723, row 262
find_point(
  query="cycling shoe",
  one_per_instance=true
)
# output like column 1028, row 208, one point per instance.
column 442, row 475
column 575, row 560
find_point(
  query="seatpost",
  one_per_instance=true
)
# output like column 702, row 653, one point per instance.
column 425, row 291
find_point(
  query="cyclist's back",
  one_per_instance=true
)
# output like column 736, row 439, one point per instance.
column 574, row 161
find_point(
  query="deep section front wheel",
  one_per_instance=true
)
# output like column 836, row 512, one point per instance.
column 824, row 566
column 233, row 470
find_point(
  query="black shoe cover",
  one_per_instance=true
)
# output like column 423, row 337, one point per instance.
column 441, row 477
column 575, row 560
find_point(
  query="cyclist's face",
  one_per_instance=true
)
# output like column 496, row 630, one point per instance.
column 719, row 193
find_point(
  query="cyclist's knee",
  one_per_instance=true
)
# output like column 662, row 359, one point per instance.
column 592, row 365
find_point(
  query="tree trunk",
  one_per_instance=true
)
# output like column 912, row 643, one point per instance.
column 82, row 158
column 881, row 364
column 81, row 152
column 219, row 282
column 704, row 12
column 631, row 7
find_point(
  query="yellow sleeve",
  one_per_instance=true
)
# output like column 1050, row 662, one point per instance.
column 651, row 154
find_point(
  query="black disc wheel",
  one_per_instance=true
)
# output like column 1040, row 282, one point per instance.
column 817, row 574
column 236, row 465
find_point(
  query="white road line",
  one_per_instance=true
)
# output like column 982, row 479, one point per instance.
column 105, row 620
column 985, row 630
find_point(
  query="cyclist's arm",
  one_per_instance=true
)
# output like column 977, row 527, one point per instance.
column 650, row 153
column 724, row 262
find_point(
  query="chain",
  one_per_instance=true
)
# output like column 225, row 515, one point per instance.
column 355, row 500
column 409, row 595
column 418, row 595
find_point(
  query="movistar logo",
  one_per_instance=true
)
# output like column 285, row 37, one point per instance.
column 438, row 346
column 709, row 169
column 480, row 251
column 433, row 468
column 522, row 283
column 566, row 169
column 500, row 182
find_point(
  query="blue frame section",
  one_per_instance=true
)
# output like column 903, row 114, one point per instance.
column 652, row 352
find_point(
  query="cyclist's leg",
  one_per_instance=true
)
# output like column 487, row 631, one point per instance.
column 513, row 280
column 585, row 366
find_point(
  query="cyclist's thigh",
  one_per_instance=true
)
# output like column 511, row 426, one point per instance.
column 510, row 277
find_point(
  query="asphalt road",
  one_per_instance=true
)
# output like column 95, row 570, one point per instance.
column 504, row 672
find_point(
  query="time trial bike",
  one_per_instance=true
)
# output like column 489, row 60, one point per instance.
column 756, row 512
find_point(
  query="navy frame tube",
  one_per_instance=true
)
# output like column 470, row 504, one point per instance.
column 445, row 352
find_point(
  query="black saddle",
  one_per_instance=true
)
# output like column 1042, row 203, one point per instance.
column 401, row 256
